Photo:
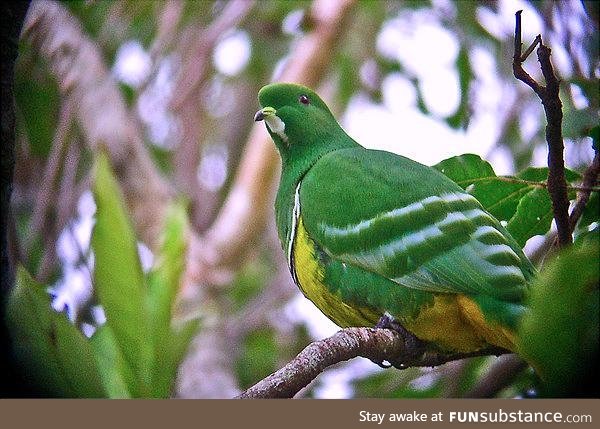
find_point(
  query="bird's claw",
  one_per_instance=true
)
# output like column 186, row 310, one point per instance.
column 414, row 347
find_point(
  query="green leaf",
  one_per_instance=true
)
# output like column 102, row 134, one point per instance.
column 500, row 198
column 534, row 213
column 118, row 276
column 172, row 350
column 164, row 282
column 560, row 334
column 466, row 169
column 533, row 216
column 526, row 206
column 53, row 352
column 477, row 177
column 540, row 174
column 116, row 375
column 164, row 278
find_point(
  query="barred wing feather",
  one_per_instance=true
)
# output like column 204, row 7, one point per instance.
column 409, row 223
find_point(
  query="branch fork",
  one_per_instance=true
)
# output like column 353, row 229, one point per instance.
column 549, row 95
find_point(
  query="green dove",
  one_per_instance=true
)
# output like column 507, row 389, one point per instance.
column 370, row 235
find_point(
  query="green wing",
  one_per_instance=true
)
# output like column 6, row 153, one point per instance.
column 401, row 220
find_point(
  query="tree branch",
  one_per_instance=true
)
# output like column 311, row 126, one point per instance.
column 500, row 374
column 549, row 95
column 195, row 47
column 376, row 344
column 590, row 178
column 243, row 213
column 102, row 114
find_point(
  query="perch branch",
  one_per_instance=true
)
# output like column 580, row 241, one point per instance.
column 549, row 95
column 376, row 344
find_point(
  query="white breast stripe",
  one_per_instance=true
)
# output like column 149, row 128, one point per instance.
column 292, row 235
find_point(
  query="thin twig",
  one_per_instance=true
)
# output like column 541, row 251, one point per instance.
column 45, row 202
column 536, row 41
column 77, row 64
column 376, row 344
column 66, row 204
column 590, row 177
column 197, row 56
column 588, row 187
column 518, row 59
column 549, row 95
column 498, row 376
column 195, row 46
column 168, row 18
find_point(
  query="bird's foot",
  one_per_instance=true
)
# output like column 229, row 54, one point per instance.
column 414, row 347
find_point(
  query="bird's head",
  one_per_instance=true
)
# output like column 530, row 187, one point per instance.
column 296, row 118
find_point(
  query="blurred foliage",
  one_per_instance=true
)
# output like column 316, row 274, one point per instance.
column 137, row 351
column 55, row 355
column 42, row 102
column 249, row 281
column 561, row 333
column 260, row 357
column 111, row 23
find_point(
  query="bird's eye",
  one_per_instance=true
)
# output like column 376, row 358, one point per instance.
column 304, row 99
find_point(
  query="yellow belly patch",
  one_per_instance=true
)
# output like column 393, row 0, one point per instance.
column 456, row 323
column 493, row 333
column 310, row 275
column 442, row 323
column 452, row 322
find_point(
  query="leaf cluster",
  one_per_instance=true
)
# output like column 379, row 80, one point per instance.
column 521, row 202
column 137, row 351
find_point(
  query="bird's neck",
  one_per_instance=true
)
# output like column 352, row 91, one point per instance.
column 303, row 150
column 296, row 161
